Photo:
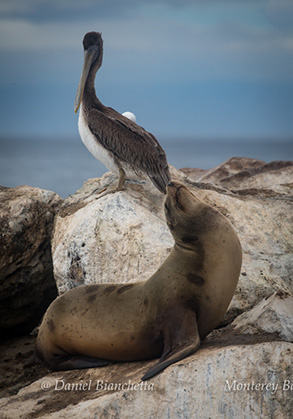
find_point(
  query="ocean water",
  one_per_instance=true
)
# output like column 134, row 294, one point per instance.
column 63, row 165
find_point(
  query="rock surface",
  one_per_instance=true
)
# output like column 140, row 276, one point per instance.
column 216, row 382
column 240, row 173
column 241, row 370
column 123, row 237
column 271, row 315
column 27, row 284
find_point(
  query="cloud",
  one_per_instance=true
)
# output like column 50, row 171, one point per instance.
column 154, row 28
column 46, row 10
column 177, row 58
column 280, row 13
column 59, row 10
column 165, row 41
column 21, row 34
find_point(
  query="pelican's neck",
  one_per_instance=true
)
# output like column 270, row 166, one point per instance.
column 90, row 98
column 89, row 88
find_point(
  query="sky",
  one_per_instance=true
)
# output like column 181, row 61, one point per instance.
column 200, row 69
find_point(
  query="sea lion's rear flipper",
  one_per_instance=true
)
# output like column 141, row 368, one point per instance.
column 181, row 339
column 75, row 362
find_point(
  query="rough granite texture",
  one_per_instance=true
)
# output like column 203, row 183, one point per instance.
column 27, row 284
column 241, row 370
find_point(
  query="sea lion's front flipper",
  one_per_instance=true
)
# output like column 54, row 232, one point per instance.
column 181, row 339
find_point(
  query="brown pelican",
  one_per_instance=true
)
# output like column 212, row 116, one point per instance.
column 119, row 143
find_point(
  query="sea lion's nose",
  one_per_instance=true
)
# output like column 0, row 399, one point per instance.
column 171, row 183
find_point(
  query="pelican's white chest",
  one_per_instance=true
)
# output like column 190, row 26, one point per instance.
column 93, row 145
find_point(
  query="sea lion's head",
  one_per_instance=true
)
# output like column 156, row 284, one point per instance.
column 186, row 215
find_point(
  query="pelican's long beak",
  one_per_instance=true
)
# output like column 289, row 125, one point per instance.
column 89, row 56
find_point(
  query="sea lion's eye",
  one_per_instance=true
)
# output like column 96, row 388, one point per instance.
column 189, row 239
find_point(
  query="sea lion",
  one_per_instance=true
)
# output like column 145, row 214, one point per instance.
column 166, row 316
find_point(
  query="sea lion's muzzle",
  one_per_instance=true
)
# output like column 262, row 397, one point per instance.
column 174, row 195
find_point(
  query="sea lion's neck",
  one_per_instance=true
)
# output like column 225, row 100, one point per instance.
column 177, row 266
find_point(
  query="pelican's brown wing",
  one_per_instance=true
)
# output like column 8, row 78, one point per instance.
column 130, row 143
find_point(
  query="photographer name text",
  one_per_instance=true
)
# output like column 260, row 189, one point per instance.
column 96, row 385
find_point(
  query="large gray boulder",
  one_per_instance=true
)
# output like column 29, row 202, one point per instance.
column 273, row 315
column 247, row 175
column 241, row 370
column 27, row 284
column 123, row 237
column 232, row 381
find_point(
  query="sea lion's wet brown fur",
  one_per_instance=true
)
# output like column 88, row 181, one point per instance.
column 166, row 316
